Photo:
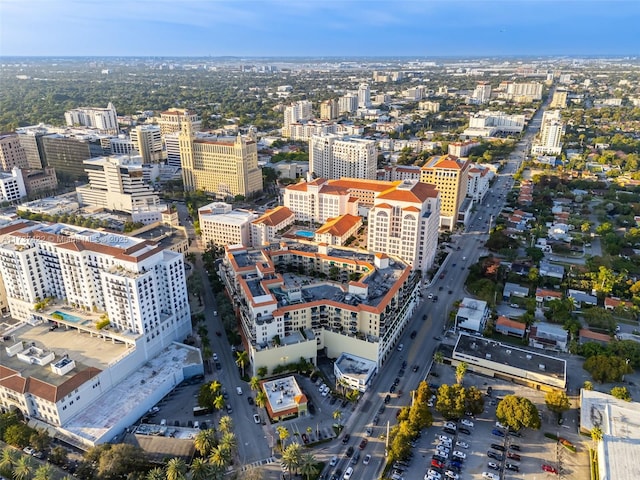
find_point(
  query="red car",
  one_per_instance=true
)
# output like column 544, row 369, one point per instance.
column 437, row 464
column 549, row 468
column 363, row 443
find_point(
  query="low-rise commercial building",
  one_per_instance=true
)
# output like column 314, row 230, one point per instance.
column 354, row 372
column 284, row 398
column 221, row 225
column 472, row 315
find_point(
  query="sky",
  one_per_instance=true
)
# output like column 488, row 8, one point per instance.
column 420, row 28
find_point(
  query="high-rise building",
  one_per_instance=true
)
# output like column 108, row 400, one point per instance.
column 103, row 119
column 347, row 104
column 172, row 149
column 551, row 132
column 523, row 92
column 224, row 166
column 12, row 153
column 295, row 113
column 335, row 156
column 559, row 99
column 482, row 92
column 364, row 96
column 31, row 140
column 329, row 109
column 449, row 174
column 148, row 142
column 404, row 223
column 66, row 153
column 12, row 185
column 171, row 120
column 116, row 183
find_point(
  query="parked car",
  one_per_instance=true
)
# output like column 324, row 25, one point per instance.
column 256, row 418
column 363, row 443
column 513, row 446
column 413, row 335
column 493, row 466
column 346, row 438
column 497, row 433
column 513, row 456
column 366, row 459
column 490, row 476
column 549, row 469
column 464, row 430
column 415, row 368
column 349, row 451
column 495, row 455
column 462, row 444
column 512, row 466
column 497, row 446
column 466, row 422
column 459, row 454
column 334, row 461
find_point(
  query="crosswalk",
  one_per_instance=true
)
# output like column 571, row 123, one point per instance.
column 258, row 463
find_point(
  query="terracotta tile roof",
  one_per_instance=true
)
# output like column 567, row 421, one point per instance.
column 363, row 184
column 298, row 187
column 333, row 190
column 600, row 337
column 418, row 193
column 384, row 205
column 616, row 302
column 507, row 322
column 541, row 292
column 212, row 142
column 274, row 217
column 411, row 209
column 12, row 380
column 445, row 161
column 340, row 225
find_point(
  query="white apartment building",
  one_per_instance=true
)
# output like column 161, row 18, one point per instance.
column 429, row 107
column 522, row 92
column 482, row 93
column 487, row 123
column 304, row 131
column 353, row 302
column 318, row 200
column 479, row 180
column 122, row 145
column 404, row 223
column 12, row 187
column 462, row 149
column 334, row 156
column 221, row 225
column 87, row 379
column 148, row 142
column 297, row 112
column 364, row 96
column 265, row 229
column 551, row 132
column 348, row 104
column 116, row 183
column 103, row 119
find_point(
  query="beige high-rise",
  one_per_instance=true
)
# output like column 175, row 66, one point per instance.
column 224, row 166
column 450, row 175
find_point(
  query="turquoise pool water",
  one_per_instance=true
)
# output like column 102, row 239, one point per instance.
column 68, row 317
column 305, row 233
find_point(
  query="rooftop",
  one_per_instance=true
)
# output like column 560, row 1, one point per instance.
column 355, row 367
column 283, row 394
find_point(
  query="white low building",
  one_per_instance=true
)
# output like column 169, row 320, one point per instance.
column 472, row 315
column 354, row 372
column 221, row 225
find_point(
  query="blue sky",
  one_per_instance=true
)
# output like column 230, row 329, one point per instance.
column 319, row 27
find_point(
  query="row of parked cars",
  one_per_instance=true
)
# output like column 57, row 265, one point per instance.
column 449, row 457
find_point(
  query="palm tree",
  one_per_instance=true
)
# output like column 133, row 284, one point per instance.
column 254, row 383
column 45, row 472
column 283, row 434
column 225, row 424
column 461, row 370
column 218, row 402
column 8, row 459
column 200, row 469
column 215, row 387
column 219, row 457
column 243, row 360
column 156, row 474
column 337, row 415
column 438, row 357
column 205, row 440
column 291, row 457
column 176, row 469
column 308, row 466
column 261, row 399
column 24, row 468
column 229, row 442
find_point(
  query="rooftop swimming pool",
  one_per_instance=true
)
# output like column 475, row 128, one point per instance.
column 67, row 316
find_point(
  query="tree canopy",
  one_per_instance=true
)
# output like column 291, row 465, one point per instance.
column 518, row 412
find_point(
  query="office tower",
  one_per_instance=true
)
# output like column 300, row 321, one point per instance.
column 549, row 141
column 404, row 223
column 148, row 142
column 171, row 120
column 449, row 174
column 12, row 153
column 224, row 166
column 103, row 119
column 172, row 149
column 482, row 92
column 329, row 109
column 116, row 183
column 295, row 113
column 31, row 140
column 335, row 156
column 364, row 96
column 12, row 186
column 66, row 154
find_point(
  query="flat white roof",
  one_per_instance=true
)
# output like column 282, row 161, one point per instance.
column 282, row 393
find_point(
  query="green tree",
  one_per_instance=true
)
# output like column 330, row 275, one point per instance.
column 308, row 466
column 17, row 435
column 291, row 457
column 622, row 393
column 8, row 460
column 261, row 399
column 215, row 387
column 461, row 371
column 557, row 401
column 229, row 442
column 219, row 402
column 156, row 473
column 220, row 457
column 45, row 472
column 176, row 469
column 337, row 415
column 518, row 412
column 40, row 440
column 262, row 372
column 254, row 383
column 605, row 368
column 242, row 360
column 24, row 468
column 473, row 400
column 534, row 253
column 205, row 440
column 587, row 385
column 450, row 401
column 200, row 470
column 225, row 424
column 120, row 460
column 283, row 434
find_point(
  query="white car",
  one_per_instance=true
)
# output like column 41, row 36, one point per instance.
column 490, row 476
column 348, row 473
column 462, row 444
column 443, row 438
column 256, row 418
column 334, row 461
column 445, row 451
column 466, row 423
column 452, row 475
column 446, row 443
column 499, row 425
column 215, row 357
column 433, row 474
column 325, row 392
column 366, row 459
column 459, row 454
column 430, row 296
column 239, row 390
column 400, row 347
column 451, row 425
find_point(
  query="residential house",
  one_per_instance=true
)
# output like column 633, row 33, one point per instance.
column 548, row 336
column 506, row 326
column 543, row 296
column 581, row 299
column 585, row 335
column 611, row 303
column 513, row 289
column 551, row 270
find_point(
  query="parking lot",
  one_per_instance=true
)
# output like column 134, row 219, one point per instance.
column 529, row 451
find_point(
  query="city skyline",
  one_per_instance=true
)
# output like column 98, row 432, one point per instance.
column 317, row 28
